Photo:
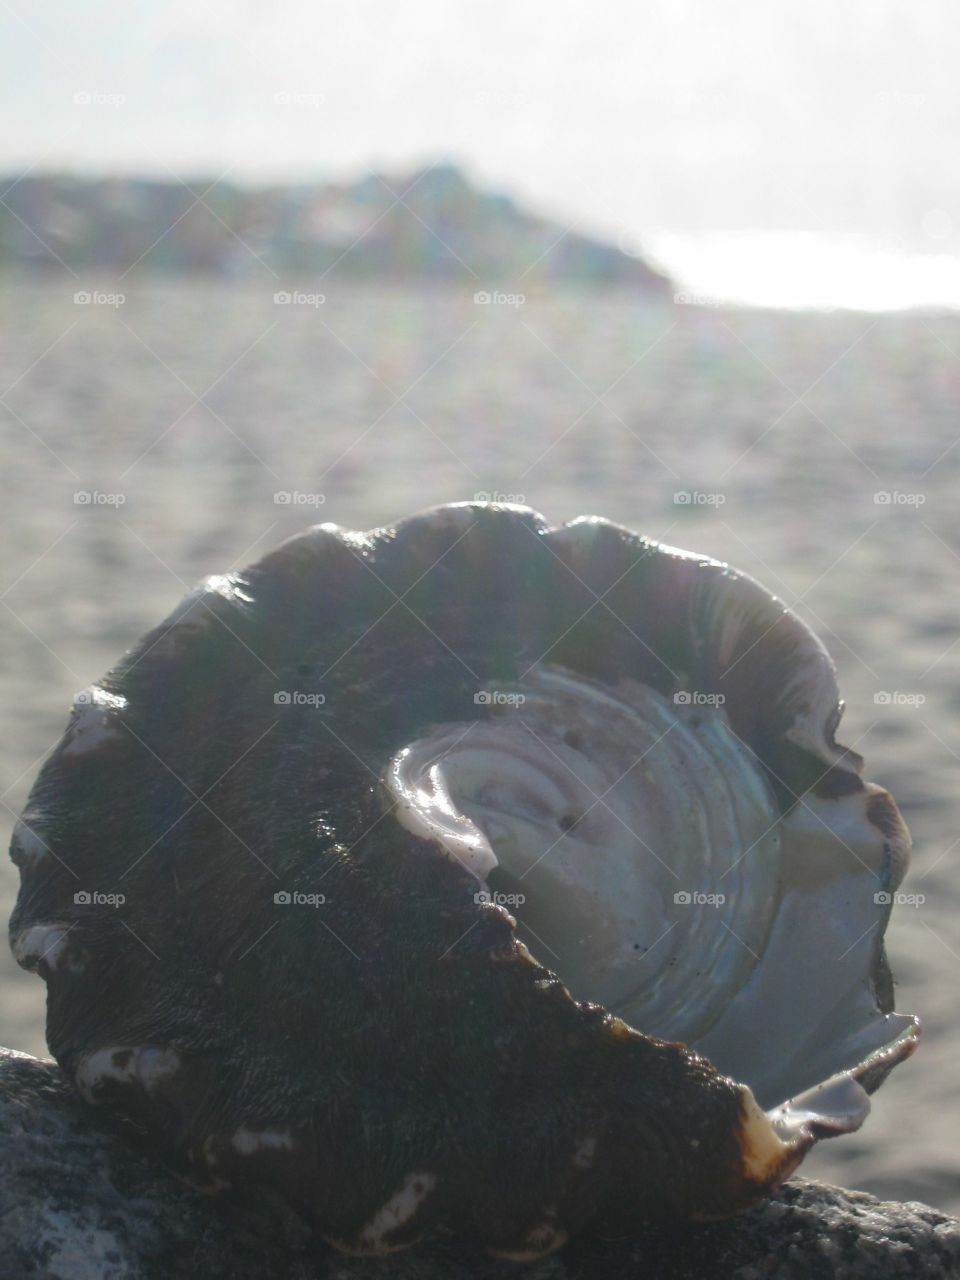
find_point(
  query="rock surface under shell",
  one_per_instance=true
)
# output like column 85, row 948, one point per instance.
column 82, row 1203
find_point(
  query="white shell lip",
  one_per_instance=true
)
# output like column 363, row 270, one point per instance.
column 424, row 806
column 838, row 1105
column 841, row 1104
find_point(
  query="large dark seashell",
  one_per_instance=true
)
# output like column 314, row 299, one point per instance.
column 266, row 877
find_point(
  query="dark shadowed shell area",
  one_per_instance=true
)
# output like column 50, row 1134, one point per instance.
column 371, row 872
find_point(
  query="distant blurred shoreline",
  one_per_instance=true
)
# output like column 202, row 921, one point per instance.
column 434, row 228
column 430, row 226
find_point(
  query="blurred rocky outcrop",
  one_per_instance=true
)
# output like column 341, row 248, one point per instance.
column 80, row 1201
column 433, row 226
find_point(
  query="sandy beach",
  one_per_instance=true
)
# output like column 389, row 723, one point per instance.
column 819, row 452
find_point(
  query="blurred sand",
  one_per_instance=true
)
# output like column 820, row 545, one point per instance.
column 505, row 400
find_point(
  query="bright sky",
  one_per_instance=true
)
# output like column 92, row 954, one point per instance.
column 645, row 121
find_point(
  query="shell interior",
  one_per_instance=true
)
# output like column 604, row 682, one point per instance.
column 640, row 846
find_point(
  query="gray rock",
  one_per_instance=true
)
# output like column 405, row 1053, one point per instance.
column 79, row 1200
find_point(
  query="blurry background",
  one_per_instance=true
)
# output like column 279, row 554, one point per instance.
column 691, row 267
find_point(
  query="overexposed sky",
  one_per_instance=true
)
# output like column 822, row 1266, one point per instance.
column 682, row 114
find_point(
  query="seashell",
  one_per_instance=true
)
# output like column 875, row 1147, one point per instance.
column 470, row 874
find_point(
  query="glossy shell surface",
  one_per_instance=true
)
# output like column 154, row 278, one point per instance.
column 469, row 873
